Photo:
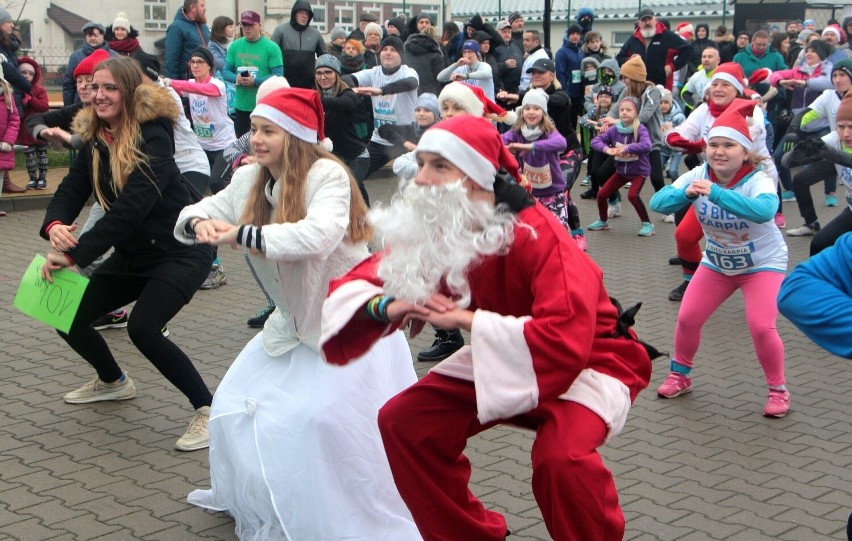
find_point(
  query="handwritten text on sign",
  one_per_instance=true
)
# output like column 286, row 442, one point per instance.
column 55, row 304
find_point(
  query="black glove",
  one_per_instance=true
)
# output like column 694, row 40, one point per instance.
column 807, row 151
column 789, row 141
column 833, row 155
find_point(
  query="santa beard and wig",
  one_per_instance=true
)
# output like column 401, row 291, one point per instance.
column 433, row 235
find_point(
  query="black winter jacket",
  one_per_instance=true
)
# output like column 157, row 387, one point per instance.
column 340, row 126
column 656, row 53
column 423, row 55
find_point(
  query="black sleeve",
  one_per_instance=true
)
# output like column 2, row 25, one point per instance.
column 398, row 87
column 684, row 50
column 71, row 195
column 350, row 80
column 343, row 103
column 624, row 54
column 60, row 118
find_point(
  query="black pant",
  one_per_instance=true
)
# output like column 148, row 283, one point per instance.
column 806, row 177
column 242, row 122
column 828, row 235
column 658, row 181
column 360, row 168
column 157, row 302
column 381, row 154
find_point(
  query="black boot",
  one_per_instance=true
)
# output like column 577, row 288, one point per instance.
column 589, row 194
column 446, row 343
column 674, row 260
column 677, row 293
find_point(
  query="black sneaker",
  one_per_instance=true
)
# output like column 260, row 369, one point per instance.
column 674, row 260
column 31, row 185
column 41, row 184
column 677, row 293
column 259, row 320
column 111, row 320
column 446, row 343
column 589, row 194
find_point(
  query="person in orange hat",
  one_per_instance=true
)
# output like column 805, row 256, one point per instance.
column 294, row 440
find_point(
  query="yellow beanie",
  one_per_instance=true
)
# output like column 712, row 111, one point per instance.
column 634, row 69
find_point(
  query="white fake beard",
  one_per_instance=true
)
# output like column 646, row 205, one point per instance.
column 435, row 233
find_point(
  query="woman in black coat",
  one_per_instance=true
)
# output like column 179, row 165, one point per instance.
column 128, row 165
column 424, row 55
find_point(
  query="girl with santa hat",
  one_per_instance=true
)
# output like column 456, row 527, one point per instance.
column 735, row 203
column 294, row 440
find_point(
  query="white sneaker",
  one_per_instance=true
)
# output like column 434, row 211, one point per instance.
column 803, row 231
column 669, row 219
column 197, row 436
column 101, row 391
column 613, row 211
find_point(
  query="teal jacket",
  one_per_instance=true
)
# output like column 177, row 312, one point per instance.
column 771, row 59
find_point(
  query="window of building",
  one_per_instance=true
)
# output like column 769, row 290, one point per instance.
column 319, row 21
column 25, row 26
column 618, row 38
column 156, row 14
column 345, row 17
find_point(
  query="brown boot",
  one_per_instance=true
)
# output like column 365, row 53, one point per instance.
column 9, row 187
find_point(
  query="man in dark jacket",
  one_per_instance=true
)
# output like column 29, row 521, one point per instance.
column 728, row 53
column 188, row 31
column 652, row 42
column 300, row 45
column 586, row 19
column 423, row 54
column 510, row 59
column 569, row 58
column 517, row 22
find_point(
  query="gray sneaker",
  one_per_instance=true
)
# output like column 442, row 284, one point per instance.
column 803, row 231
column 100, row 391
column 196, row 436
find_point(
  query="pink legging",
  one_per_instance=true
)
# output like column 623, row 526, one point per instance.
column 708, row 290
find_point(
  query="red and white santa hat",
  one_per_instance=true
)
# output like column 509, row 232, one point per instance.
column 473, row 145
column 685, row 30
column 298, row 111
column 760, row 75
column 473, row 100
column 837, row 31
column 733, row 123
column 732, row 73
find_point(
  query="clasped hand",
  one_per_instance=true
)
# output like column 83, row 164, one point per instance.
column 439, row 310
column 216, row 233
column 697, row 187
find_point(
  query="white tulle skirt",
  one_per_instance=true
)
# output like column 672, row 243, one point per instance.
column 295, row 450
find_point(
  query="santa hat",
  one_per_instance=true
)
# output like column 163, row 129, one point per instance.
column 298, row 111
column 758, row 76
column 268, row 86
column 837, row 31
column 732, row 122
column 729, row 72
column 87, row 66
column 473, row 145
column 474, row 101
column 685, row 30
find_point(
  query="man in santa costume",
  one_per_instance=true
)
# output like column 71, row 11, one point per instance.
column 550, row 351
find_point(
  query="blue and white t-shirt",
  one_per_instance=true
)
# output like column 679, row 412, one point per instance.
column 395, row 109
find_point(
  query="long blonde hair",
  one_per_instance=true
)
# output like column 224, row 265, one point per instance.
column 298, row 157
column 125, row 139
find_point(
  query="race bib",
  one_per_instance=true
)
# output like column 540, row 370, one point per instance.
column 539, row 176
column 730, row 258
column 576, row 76
column 203, row 131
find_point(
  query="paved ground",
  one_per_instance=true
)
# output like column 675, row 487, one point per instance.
column 704, row 466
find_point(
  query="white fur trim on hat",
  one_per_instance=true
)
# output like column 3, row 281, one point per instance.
column 463, row 96
column 462, row 155
column 727, row 77
column 730, row 133
column 833, row 30
column 285, row 122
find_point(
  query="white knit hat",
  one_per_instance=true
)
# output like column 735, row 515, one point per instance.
column 537, row 97
column 121, row 21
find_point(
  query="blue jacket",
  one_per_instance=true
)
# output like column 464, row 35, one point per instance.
column 69, row 83
column 633, row 166
column 817, row 297
column 568, row 60
column 182, row 37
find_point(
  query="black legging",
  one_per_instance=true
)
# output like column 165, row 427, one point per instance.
column 828, row 235
column 157, row 302
column 804, row 179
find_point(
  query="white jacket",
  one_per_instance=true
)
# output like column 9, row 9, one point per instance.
column 301, row 258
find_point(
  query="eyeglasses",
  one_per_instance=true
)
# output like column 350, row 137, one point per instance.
column 324, row 74
column 107, row 88
column 196, row 62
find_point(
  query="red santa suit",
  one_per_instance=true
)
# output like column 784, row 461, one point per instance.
column 545, row 354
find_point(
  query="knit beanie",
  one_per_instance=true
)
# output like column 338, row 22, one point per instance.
column 844, row 111
column 803, row 36
column 121, row 21
column 204, row 54
column 473, row 145
column 845, row 66
column 328, row 61
column 666, row 95
column 337, row 33
column 820, row 48
column 732, row 123
column 397, row 23
column 149, row 63
column 298, row 111
column 373, row 28
column 395, row 42
column 87, row 65
column 270, row 85
column 537, row 97
column 574, row 29
column 606, row 90
column 427, row 100
column 471, row 45
column 730, row 72
column 634, row 69
column 5, row 16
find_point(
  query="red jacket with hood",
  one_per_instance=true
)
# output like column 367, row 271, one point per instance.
column 35, row 102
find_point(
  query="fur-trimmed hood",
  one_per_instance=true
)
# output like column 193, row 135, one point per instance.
column 152, row 103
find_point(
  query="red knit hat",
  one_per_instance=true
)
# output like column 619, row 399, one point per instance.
column 298, row 111
column 732, row 73
column 732, row 122
column 87, row 65
column 760, row 75
column 473, row 145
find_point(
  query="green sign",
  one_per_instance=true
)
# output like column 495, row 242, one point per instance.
column 55, row 304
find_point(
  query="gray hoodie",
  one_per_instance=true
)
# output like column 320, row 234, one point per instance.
column 617, row 86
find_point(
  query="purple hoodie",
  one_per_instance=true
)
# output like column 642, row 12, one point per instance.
column 541, row 166
column 636, row 165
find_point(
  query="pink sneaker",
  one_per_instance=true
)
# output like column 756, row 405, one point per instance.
column 780, row 221
column 581, row 242
column 675, row 385
column 778, row 404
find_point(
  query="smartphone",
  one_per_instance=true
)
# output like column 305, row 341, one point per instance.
column 245, row 74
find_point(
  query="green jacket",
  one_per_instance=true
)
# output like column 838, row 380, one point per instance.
column 771, row 59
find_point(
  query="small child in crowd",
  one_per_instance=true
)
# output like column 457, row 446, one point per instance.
column 589, row 66
column 672, row 117
column 537, row 144
column 426, row 113
column 629, row 143
column 34, row 102
column 591, row 126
